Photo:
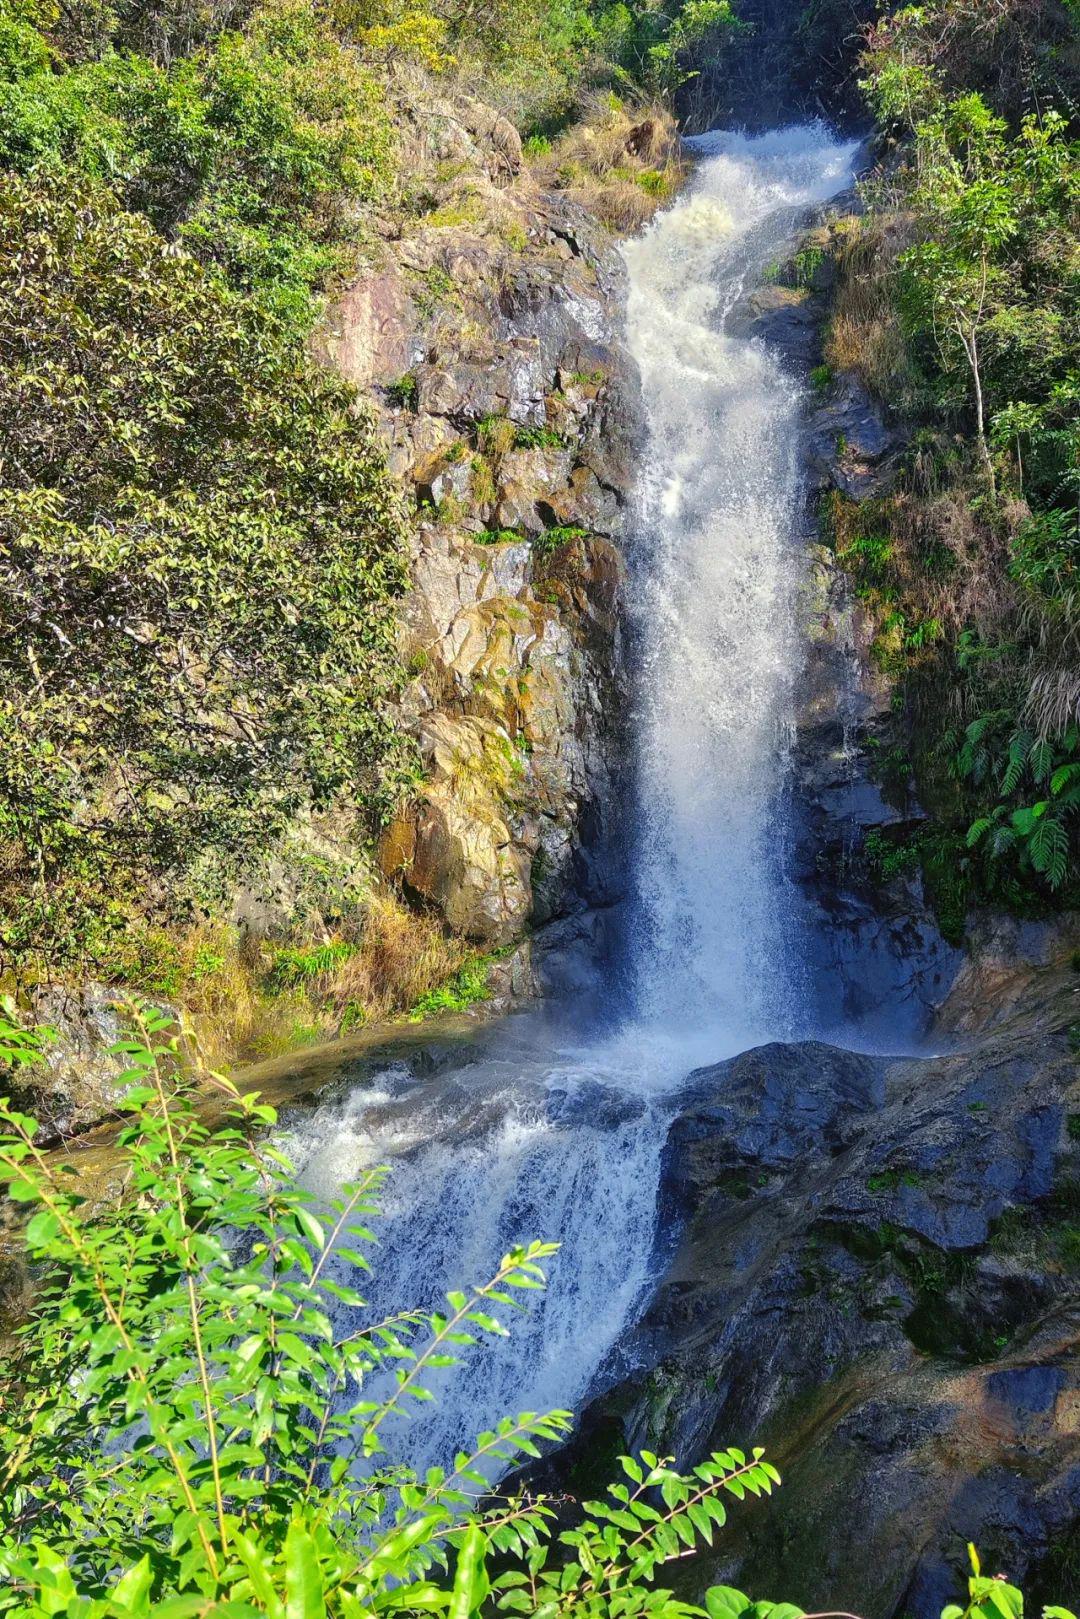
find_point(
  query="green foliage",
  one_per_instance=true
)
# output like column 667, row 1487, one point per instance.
column 184, row 1427
column 468, row 987
column 252, row 151
column 402, row 393
column 992, row 1597
column 891, row 859
column 199, row 546
column 988, row 296
column 661, row 48
column 656, row 182
column 1019, row 764
column 200, row 550
column 539, row 438
column 982, row 287
column 891, row 1180
column 553, row 539
column 298, row 965
column 868, row 555
column 806, row 265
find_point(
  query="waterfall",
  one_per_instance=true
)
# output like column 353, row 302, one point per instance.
column 533, row 1148
column 539, row 1135
column 715, row 579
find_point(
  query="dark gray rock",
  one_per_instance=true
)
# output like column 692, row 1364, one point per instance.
column 873, row 1273
column 848, row 439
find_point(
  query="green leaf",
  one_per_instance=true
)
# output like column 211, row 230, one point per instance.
column 254, row 1560
column 308, row 1225
column 724, row 1602
column 470, row 1577
column 42, row 1228
column 132, row 1590
column 304, row 1591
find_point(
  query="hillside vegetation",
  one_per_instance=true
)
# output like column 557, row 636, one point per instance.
column 959, row 307
column 201, row 551
column 201, row 547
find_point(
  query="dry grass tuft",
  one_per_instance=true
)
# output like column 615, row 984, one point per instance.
column 864, row 333
column 402, row 955
column 212, row 970
column 247, row 998
column 621, row 163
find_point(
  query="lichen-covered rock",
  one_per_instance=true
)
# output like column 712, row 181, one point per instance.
column 78, row 1083
column 490, row 335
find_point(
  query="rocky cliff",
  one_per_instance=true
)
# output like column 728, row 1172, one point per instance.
column 490, row 332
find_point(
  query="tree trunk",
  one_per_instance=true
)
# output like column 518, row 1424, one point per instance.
column 971, row 349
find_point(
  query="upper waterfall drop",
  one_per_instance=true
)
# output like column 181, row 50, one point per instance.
column 713, row 586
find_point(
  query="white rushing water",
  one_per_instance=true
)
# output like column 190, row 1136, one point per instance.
column 715, row 587
column 535, row 1137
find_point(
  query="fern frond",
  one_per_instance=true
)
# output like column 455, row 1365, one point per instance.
column 1020, row 745
column 1041, row 761
column 1066, row 776
column 1048, row 848
column 1003, row 840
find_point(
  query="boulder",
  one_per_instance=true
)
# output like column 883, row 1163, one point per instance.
column 871, row 1268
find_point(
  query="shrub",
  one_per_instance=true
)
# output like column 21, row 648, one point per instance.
column 200, row 552
column 253, row 149
column 180, row 1425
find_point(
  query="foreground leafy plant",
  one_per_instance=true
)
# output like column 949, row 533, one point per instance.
column 186, row 1430
column 992, row 1597
column 184, row 1424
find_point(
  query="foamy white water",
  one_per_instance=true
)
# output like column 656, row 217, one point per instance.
column 533, row 1139
column 716, row 579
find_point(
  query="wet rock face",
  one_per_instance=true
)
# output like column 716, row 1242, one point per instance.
column 491, row 337
column 877, row 1276
column 880, row 962
column 80, row 1082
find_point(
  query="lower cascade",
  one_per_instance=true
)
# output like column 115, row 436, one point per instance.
column 547, row 1132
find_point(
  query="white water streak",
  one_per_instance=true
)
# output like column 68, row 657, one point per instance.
column 716, row 587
